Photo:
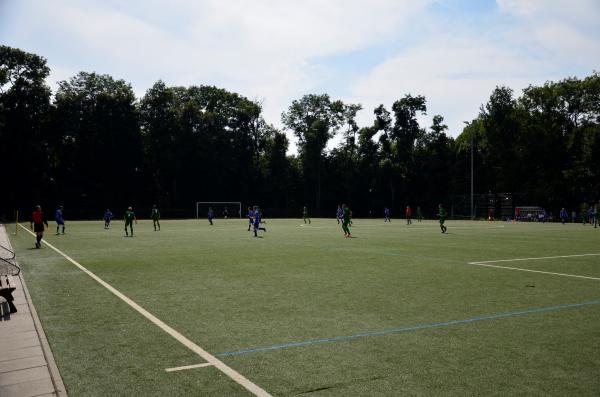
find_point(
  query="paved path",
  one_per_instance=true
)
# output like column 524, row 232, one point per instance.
column 27, row 366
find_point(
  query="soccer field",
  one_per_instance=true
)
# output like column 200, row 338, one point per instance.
column 396, row 310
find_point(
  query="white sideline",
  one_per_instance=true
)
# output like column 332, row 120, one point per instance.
column 531, row 259
column 188, row 367
column 212, row 360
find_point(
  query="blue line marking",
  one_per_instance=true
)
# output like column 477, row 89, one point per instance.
column 406, row 329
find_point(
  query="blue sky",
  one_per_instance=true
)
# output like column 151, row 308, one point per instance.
column 370, row 52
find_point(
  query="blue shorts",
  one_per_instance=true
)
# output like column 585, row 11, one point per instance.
column 60, row 222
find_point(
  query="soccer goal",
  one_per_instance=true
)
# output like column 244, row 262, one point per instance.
column 221, row 209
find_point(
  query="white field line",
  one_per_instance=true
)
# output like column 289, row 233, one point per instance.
column 188, row 367
column 536, row 271
column 212, row 360
column 488, row 264
column 532, row 259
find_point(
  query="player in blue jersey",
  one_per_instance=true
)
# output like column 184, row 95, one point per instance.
column 58, row 217
column 250, row 216
column 210, row 215
column 107, row 218
column 563, row 216
column 386, row 214
column 257, row 218
column 339, row 213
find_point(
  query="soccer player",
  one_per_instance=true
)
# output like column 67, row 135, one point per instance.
column 408, row 213
column 595, row 215
column 346, row 220
column 250, row 216
column 107, row 218
column 386, row 214
column 155, row 215
column 58, row 217
column 442, row 215
column 225, row 213
column 129, row 219
column 305, row 215
column 211, row 215
column 419, row 214
column 37, row 224
column 257, row 218
column 338, row 214
column 563, row 215
column 583, row 215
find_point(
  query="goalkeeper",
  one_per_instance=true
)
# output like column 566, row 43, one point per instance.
column 37, row 224
column 129, row 219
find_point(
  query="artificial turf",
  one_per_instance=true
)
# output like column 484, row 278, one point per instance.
column 230, row 292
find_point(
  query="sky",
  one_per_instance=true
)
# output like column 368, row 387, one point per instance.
column 371, row 52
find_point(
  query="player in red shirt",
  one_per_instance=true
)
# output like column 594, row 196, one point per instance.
column 408, row 213
column 37, row 224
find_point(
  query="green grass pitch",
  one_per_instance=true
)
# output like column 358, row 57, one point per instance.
column 373, row 314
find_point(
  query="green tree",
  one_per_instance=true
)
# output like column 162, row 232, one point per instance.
column 99, row 152
column 398, row 144
column 24, row 112
column 314, row 119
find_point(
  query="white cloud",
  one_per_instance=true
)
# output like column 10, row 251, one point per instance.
column 260, row 48
column 457, row 70
column 456, row 76
column 579, row 12
column 270, row 49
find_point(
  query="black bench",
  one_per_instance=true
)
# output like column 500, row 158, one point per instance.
column 7, row 307
column 8, row 269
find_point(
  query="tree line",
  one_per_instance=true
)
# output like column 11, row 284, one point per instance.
column 93, row 145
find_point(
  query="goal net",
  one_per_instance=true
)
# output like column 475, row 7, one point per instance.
column 221, row 209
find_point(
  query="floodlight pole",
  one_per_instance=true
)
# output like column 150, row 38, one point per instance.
column 468, row 123
column 472, row 215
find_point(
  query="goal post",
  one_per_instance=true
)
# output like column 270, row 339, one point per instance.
column 232, row 209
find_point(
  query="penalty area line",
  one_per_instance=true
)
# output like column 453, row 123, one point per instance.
column 489, row 264
column 188, row 367
column 535, row 271
column 212, row 360
column 532, row 259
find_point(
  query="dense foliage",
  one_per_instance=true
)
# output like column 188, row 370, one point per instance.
column 95, row 145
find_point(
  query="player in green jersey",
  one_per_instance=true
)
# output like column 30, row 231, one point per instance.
column 305, row 215
column 346, row 220
column 155, row 215
column 419, row 214
column 442, row 215
column 129, row 219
